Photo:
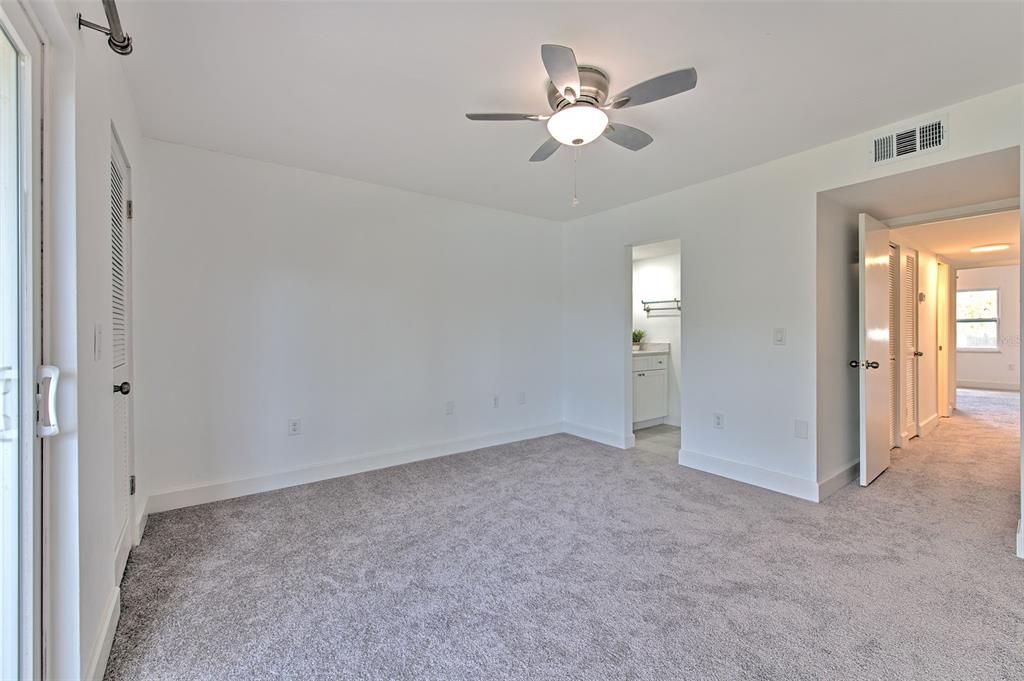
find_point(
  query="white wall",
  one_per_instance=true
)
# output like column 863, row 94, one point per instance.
column 994, row 370
column 658, row 279
column 750, row 251
column 265, row 293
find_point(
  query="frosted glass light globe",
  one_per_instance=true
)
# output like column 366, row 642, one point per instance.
column 578, row 124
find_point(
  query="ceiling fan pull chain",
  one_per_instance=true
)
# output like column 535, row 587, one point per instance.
column 575, row 157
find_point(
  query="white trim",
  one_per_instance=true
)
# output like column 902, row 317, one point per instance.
column 101, row 649
column 830, row 486
column 929, row 424
column 1020, row 538
column 987, row 385
column 142, row 504
column 958, row 213
column 605, row 437
column 752, row 475
column 640, row 425
column 229, row 489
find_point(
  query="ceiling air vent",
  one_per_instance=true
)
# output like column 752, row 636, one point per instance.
column 904, row 142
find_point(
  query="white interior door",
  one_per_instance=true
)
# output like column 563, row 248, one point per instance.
column 874, row 362
column 942, row 311
column 909, row 352
column 120, row 259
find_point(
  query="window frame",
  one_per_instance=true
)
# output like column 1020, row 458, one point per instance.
column 996, row 320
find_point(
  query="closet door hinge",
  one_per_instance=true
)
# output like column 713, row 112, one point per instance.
column 131, row 209
column 131, row 485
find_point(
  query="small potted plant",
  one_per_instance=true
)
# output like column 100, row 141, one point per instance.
column 638, row 338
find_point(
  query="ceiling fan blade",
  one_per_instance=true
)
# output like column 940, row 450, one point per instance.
column 545, row 150
column 627, row 136
column 652, row 90
column 506, row 117
column 560, row 62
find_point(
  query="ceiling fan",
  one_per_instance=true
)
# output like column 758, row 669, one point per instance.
column 579, row 100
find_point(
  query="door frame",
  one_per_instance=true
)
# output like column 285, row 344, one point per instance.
column 629, row 440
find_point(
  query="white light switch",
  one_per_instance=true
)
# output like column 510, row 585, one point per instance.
column 800, row 429
column 779, row 336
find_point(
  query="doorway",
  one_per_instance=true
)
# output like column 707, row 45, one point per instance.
column 655, row 359
column 917, row 234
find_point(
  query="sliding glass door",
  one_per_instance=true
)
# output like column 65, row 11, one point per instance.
column 11, row 336
column 20, row 349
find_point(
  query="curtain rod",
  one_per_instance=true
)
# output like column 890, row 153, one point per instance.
column 118, row 40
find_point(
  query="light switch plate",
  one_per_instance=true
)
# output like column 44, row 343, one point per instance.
column 800, row 429
column 97, row 342
column 779, row 336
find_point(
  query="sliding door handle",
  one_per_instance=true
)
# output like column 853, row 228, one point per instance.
column 46, row 425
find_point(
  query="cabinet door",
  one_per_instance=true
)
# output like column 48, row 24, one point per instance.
column 650, row 395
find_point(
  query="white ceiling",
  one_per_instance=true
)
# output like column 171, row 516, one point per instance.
column 954, row 239
column 377, row 91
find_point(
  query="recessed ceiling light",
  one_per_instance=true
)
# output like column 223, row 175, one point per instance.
column 990, row 248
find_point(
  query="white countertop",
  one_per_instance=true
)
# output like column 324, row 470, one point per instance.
column 655, row 349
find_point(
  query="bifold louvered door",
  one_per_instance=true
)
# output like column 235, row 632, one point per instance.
column 894, row 348
column 121, row 351
column 908, row 341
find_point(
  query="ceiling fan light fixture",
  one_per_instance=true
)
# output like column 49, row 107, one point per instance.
column 989, row 248
column 578, row 124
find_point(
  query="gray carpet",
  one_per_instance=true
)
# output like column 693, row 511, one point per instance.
column 558, row 558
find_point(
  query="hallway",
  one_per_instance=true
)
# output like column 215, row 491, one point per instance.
column 978, row 445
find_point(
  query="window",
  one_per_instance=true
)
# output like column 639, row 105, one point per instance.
column 977, row 320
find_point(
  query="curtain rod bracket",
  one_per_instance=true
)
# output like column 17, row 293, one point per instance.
column 119, row 41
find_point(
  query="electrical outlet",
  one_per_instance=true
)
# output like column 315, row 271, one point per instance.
column 449, row 408
column 294, row 427
column 718, row 420
column 1011, row 366
column 800, row 429
column 497, row 401
column 522, row 398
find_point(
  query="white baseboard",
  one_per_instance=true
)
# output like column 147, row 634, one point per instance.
column 989, row 385
column 752, row 475
column 228, row 489
column 640, row 425
column 929, row 424
column 141, row 517
column 1020, row 538
column 101, row 648
column 605, row 437
column 833, row 484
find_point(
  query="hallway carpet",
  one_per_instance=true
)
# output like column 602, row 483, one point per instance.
column 558, row 558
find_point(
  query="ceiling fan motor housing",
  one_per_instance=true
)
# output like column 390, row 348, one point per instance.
column 593, row 89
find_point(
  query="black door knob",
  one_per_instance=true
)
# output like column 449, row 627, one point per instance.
column 854, row 364
column 124, row 388
column 871, row 365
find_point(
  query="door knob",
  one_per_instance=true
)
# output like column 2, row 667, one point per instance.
column 918, row 354
column 870, row 365
column 124, row 388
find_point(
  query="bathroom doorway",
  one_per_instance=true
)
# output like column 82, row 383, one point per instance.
column 653, row 402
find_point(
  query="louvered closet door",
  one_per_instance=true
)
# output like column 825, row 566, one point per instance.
column 908, row 340
column 894, row 350
column 120, row 336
